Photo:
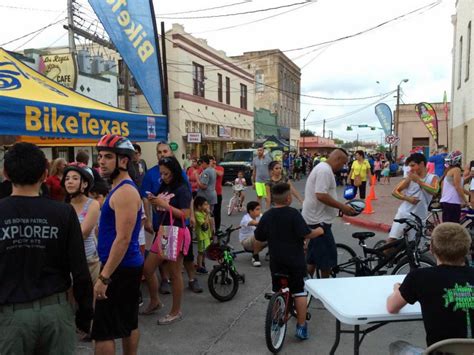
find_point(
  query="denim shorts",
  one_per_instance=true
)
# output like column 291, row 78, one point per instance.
column 322, row 250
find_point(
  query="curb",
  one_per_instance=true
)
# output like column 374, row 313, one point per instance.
column 381, row 227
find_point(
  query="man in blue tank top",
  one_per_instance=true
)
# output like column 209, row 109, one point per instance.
column 117, row 289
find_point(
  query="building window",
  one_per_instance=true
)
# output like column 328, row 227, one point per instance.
column 243, row 96
column 460, row 63
column 468, row 51
column 227, row 90
column 259, row 81
column 198, row 80
column 219, row 87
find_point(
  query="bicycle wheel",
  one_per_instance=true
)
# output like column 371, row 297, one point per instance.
column 232, row 204
column 344, row 267
column 275, row 323
column 403, row 267
column 223, row 283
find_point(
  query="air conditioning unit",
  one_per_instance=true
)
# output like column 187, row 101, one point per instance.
column 84, row 61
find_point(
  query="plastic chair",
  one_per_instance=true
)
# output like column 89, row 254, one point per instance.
column 451, row 346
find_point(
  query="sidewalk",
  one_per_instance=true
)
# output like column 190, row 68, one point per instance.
column 384, row 208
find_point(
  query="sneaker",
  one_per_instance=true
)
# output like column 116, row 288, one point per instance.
column 201, row 271
column 302, row 331
column 194, row 286
column 165, row 287
column 256, row 260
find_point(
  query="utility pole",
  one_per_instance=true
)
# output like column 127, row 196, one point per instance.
column 397, row 118
column 70, row 22
column 324, row 128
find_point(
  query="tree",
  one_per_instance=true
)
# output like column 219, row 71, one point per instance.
column 338, row 141
column 306, row 133
column 381, row 148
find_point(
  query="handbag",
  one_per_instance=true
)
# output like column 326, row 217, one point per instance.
column 174, row 239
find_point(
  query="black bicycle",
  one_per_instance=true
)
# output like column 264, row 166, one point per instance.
column 404, row 254
column 223, row 281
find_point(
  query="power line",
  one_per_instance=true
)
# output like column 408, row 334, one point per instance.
column 33, row 32
column 28, row 8
column 232, row 14
column 208, row 8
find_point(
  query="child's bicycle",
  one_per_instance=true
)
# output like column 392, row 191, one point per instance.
column 234, row 203
column 223, row 281
column 280, row 309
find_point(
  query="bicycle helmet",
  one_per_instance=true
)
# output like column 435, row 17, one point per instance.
column 118, row 145
column 453, row 159
column 86, row 175
column 357, row 205
column 349, row 192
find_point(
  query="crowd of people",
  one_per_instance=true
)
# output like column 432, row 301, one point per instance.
column 81, row 232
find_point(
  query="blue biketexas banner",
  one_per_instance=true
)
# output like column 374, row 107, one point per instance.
column 130, row 25
column 33, row 105
column 384, row 113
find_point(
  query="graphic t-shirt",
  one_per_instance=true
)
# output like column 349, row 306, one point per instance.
column 446, row 295
column 284, row 229
column 40, row 247
column 178, row 197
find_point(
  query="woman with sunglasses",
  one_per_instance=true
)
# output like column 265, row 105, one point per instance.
column 173, row 195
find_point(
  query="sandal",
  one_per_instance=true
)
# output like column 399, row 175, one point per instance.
column 168, row 319
column 150, row 311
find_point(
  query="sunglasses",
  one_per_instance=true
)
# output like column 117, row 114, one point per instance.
column 165, row 160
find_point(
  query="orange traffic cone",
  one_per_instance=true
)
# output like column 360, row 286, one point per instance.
column 368, row 206
column 372, row 189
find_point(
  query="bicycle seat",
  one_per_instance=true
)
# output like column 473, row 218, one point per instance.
column 363, row 235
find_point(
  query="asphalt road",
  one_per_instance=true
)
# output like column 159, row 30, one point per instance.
column 237, row 326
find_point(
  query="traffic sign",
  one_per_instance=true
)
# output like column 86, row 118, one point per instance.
column 392, row 139
column 173, row 146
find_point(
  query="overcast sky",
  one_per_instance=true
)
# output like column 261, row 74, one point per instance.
column 416, row 47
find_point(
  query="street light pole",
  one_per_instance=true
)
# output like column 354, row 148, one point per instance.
column 304, row 127
column 397, row 118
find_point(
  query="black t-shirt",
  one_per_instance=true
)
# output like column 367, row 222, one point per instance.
column 284, row 229
column 446, row 297
column 179, row 197
column 41, row 246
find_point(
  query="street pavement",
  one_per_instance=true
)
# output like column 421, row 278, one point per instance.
column 237, row 326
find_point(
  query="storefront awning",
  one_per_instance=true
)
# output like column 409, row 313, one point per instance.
column 37, row 109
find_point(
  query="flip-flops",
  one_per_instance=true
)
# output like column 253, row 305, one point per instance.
column 168, row 319
column 149, row 312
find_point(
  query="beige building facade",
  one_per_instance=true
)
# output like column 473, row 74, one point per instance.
column 462, row 88
column 210, row 97
column 413, row 132
column 277, row 87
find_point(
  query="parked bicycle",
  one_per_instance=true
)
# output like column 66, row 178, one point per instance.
column 280, row 309
column 235, row 201
column 405, row 254
column 223, row 281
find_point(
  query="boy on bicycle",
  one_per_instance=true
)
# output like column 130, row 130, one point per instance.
column 285, row 230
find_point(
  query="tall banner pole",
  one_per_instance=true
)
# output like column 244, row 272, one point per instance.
column 427, row 114
column 445, row 108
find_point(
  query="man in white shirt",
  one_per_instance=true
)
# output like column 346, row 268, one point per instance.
column 248, row 224
column 320, row 207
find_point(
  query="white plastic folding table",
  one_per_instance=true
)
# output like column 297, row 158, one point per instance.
column 360, row 301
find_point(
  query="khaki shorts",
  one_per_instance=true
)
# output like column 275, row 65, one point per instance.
column 249, row 242
column 94, row 268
